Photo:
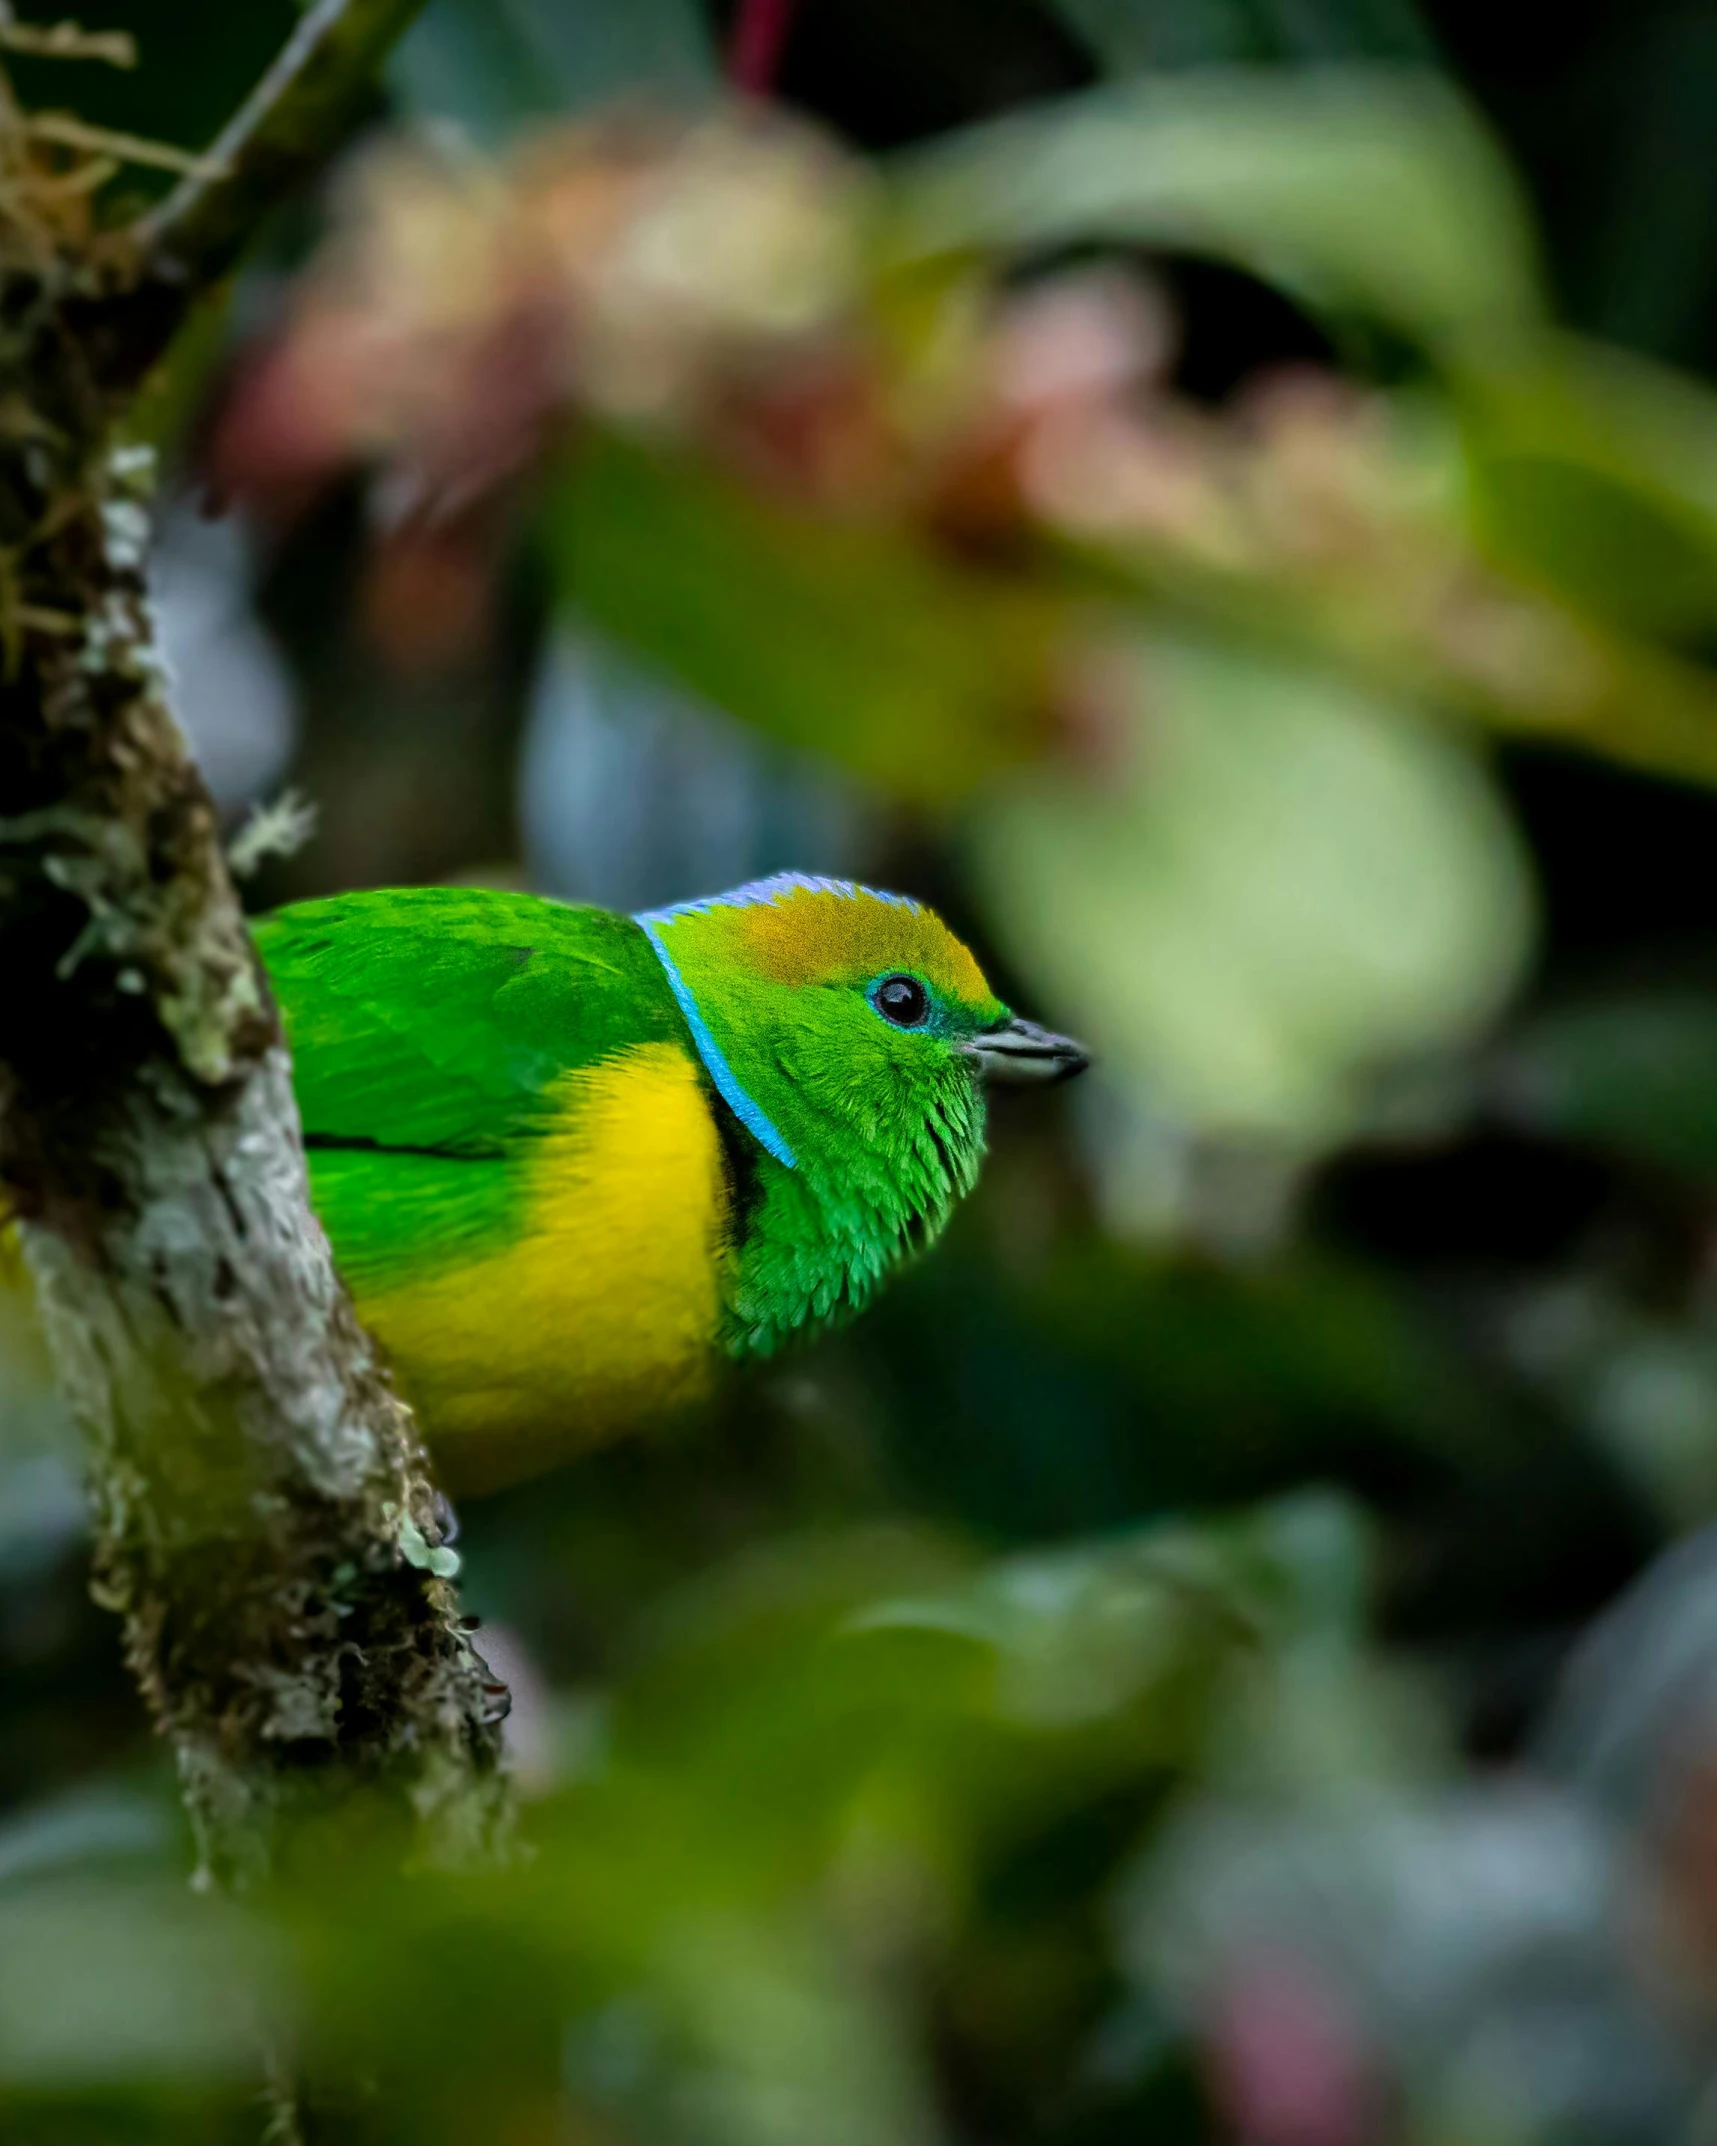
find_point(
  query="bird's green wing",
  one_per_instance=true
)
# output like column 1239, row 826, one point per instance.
column 427, row 1026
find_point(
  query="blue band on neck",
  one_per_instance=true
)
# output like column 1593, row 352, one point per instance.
column 715, row 1064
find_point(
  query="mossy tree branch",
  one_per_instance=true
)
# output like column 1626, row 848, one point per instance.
column 279, row 135
column 264, row 1518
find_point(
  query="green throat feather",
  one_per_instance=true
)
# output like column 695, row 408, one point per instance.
column 868, row 1133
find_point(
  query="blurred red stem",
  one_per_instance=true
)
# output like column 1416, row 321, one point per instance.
column 760, row 32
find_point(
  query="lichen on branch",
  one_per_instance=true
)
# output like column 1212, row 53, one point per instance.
column 260, row 1497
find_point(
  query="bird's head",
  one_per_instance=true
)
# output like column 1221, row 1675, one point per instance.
column 838, row 1021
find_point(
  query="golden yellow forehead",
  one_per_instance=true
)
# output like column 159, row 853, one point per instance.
column 797, row 933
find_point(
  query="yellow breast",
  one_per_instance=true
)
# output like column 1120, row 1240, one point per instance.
column 602, row 1310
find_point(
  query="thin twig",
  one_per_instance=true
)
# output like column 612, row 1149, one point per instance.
column 298, row 111
column 72, row 133
column 68, row 41
column 86, row 178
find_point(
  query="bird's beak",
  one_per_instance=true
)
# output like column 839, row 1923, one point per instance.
column 1020, row 1051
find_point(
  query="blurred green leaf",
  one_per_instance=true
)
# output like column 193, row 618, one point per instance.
column 817, row 1766
column 1648, row 253
column 1131, row 36
column 92, row 1830
column 496, row 66
column 1641, row 1385
column 1595, row 472
column 793, row 2044
column 844, row 638
column 1091, row 1631
column 1634, row 1073
column 122, row 1981
column 1276, row 886
column 1171, row 1381
column 1377, row 194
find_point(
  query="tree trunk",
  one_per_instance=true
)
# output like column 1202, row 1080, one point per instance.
column 264, row 1519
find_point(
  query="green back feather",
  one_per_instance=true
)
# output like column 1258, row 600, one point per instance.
column 426, row 1025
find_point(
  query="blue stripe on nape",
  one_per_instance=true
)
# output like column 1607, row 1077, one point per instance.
column 764, row 893
column 744, row 1109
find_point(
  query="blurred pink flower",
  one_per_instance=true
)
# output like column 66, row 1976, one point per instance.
column 1289, row 2059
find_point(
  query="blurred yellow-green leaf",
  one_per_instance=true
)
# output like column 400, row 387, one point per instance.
column 1595, row 473
column 1373, row 193
column 1276, row 887
column 843, row 637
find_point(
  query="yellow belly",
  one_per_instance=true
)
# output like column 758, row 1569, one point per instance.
column 602, row 1311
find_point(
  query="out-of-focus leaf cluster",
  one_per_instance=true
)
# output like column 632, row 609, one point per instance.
column 870, row 1844
column 799, row 1830
column 887, row 462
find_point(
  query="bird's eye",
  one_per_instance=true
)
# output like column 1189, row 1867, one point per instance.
column 902, row 1000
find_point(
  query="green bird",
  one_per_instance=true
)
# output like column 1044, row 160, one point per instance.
column 568, row 1161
